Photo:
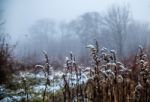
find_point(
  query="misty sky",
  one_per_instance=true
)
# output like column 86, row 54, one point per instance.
column 21, row 14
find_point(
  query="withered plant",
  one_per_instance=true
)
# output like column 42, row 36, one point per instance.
column 47, row 69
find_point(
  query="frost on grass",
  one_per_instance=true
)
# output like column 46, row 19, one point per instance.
column 107, row 75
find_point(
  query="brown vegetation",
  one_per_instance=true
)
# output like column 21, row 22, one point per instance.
column 111, row 80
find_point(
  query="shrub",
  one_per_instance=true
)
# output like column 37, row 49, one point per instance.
column 5, row 59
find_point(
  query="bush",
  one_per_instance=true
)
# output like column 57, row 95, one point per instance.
column 5, row 60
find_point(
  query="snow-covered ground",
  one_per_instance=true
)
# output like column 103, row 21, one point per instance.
column 56, row 83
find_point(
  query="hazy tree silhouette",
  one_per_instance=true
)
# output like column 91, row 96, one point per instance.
column 5, row 56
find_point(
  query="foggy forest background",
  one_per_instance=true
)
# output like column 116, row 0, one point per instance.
column 113, row 29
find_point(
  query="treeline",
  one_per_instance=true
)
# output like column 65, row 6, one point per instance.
column 114, row 29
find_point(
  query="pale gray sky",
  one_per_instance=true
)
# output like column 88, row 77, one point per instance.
column 21, row 14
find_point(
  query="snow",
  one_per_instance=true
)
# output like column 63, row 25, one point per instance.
column 39, row 66
column 17, row 98
column 40, row 75
column 44, row 52
column 6, row 99
column 104, row 49
column 27, row 75
column 2, row 88
column 19, row 91
column 13, row 98
column 90, row 46
column 112, row 51
column 58, row 74
column 67, row 58
column 39, row 88
column 140, row 46
column 139, row 86
column 111, row 64
column 54, row 88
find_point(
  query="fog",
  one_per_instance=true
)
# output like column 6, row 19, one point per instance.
column 21, row 14
column 59, row 27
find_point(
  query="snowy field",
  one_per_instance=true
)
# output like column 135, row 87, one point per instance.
column 56, row 83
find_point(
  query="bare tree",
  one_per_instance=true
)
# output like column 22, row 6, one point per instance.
column 69, row 39
column 5, row 53
column 42, row 32
column 87, row 27
column 41, row 37
column 140, row 33
column 116, row 22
